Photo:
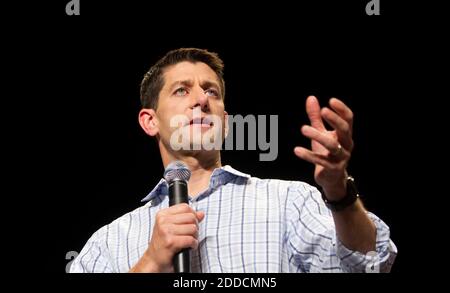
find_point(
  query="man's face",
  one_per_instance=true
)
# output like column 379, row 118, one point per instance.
column 190, row 107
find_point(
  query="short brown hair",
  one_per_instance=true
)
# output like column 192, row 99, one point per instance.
column 153, row 80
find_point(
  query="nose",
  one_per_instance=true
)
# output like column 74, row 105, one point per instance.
column 200, row 99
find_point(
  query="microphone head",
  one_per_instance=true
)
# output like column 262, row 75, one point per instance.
column 177, row 170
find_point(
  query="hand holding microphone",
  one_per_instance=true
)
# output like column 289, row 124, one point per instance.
column 177, row 176
column 175, row 229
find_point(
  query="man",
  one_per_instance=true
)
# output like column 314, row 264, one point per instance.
column 235, row 222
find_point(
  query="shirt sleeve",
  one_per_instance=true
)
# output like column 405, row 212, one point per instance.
column 379, row 261
column 313, row 245
column 94, row 257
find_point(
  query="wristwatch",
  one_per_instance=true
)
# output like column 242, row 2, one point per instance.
column 351, row 196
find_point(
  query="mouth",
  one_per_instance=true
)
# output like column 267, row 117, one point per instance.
column 202, row 122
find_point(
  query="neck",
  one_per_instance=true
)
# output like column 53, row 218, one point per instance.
column 201, row 164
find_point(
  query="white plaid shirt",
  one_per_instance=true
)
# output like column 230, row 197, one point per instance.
column 251, row 225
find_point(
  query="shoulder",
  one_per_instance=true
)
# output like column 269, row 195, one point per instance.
column 121, row 224
column 290, row 185
column 286, row 188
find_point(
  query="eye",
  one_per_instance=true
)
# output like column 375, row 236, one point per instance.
column 212, row 93
column 181, row 91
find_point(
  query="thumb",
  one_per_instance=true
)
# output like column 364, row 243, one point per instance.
column 200, row 215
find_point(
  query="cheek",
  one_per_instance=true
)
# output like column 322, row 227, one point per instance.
column 170, row 120
column 218, row 107
column 173, row 107
column 163, row 120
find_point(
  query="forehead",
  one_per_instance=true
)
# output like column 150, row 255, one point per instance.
column 188, row 70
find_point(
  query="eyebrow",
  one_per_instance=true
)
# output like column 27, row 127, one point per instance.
column 208, row 84
column 189, row 82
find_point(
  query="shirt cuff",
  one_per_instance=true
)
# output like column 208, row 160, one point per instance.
column 377, row 261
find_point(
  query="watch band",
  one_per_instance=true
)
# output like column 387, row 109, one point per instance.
column 351, row 196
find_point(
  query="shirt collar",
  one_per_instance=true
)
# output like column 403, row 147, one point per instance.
column 219, row 176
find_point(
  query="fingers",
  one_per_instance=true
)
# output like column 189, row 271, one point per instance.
column 343, row 111
column 176, row 231
column 313, row 111
column 183, row 208
column 175, row 228
column 177, row 243
column 341, row 120
column 341, row 127
column 320, row 159
column 178, row 209
column 200, row 216
column 312, row 157
column 186, row 242
column 188, row 218
column 185, row 230
column 185, row 218
column 324, row 139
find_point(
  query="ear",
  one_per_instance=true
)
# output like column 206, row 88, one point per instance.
column 149, row 121
column 225, row 118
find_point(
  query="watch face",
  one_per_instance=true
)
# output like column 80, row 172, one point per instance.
column 351, row 186
column 349, row 199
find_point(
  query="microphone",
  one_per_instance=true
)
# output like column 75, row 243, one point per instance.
column 177, row 175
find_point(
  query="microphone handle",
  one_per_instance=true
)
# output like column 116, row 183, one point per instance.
column 178, row 194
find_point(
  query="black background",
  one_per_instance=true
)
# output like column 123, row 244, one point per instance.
column 87, row 161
